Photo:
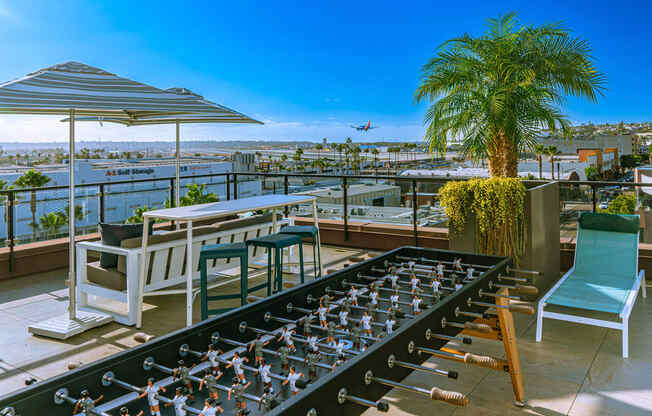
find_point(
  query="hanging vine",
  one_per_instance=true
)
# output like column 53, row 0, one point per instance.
column 498, row 205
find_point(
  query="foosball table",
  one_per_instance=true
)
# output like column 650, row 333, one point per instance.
column 333, row 346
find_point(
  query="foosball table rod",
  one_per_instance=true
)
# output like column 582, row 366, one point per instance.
column 464, row 340
column 526, row 309
column 386, row 289
column 455, row 262
column 109, row 378
column 61, row 396
column 472, row 326
column 392, row 361
column 435, row 393
column 269, row 317
column 517, row 288
column 485, row 361
column 217, row 338
column 343, row 396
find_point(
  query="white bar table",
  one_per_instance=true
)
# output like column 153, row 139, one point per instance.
column 215, row 210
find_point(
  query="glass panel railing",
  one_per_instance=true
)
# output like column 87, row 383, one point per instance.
column 573, row 200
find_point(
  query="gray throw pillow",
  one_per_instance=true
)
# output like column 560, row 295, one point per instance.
column 112, row 235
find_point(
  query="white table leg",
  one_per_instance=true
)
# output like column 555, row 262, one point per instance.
column 189, row 264
column 316, row 221
column 143, row 272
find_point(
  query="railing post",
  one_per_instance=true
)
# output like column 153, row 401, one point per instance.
column 235, row 186
column 414, row 212
column 101, row 202
column 173, row 198
column 286, row 190
column 228, row 186
column 594, row 198
column 345, row 214
column 10, row 228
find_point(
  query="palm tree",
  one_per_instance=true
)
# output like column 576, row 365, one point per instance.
column 375, row 152
column 319, row 148
column 51, row 223
column 498, row 92
column 540, row 150
column 32, row 179
column 551, row 152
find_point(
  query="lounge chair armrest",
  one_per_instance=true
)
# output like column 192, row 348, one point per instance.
column 103, row 248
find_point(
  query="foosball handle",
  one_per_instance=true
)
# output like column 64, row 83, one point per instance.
column 450, row 397
column 483, row 361
column 526, row 290
column 484, row 328
column 526, row 309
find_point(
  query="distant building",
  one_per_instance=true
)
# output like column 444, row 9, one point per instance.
column 378, row 195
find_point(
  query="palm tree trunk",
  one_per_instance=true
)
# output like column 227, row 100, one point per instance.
column 32, row 207
column 552, row 168
column 540, row 166
column 511, row 160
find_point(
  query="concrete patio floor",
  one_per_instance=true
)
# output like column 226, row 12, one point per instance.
column 575, row 370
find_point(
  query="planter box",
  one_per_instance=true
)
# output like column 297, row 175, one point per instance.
column 542, row 239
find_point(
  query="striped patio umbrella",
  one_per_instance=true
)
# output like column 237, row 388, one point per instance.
column 229, row 116
column 75, row 89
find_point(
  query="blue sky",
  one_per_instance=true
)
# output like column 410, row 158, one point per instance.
column 308, row 69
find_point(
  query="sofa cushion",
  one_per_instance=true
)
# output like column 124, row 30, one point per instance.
column 112, row 235
column 109, row 278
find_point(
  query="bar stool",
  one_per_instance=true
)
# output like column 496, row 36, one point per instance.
column 277, row 242
column 307, row 231
column 223, row 251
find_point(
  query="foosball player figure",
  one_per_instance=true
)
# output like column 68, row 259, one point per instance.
column 353, row 294
column 236, row 363
column 458, row 281
column 469, row 273
column 125, row 412
column 440, row 270
column 435, row 284
column 344, row 322
column 346, row 304
column 210, row 380
column 258, row 346
column 341, row 358
column 311, row 343
column 307, row 325
column 264, row 369
column 284, row 353
column 393, row 277
column 393, row 299
column 85, row 404
column 414, row 283
column 416, row 304
column 371, row 308
column 183, row 373
column 310, row 361
column 267, row 401
column 210, row 408
column 325, row 300
column 151, row 391
column 211, row 355
column 339, row 347
column 322, row 311
column 179, row 400
column 292, row 378
column 237, row 391
column 356, row 332
column 330, row 333
column 458, row 265
column 366, row 322
column 287, row 336
column 389, row 325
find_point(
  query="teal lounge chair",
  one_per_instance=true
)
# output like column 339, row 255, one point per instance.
column 605, row 276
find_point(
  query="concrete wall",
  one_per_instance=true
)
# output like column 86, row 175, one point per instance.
column 570, row 147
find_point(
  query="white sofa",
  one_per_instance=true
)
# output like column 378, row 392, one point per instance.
column 166, row 266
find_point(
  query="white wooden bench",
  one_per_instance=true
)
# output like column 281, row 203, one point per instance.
column 166, row 272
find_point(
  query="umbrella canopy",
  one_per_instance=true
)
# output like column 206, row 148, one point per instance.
column 72, row 89
column 93, row 91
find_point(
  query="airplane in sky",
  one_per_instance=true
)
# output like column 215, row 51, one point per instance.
column 364, row 127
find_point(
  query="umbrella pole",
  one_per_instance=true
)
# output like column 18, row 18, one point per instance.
column 177, row 193
column 72, row 281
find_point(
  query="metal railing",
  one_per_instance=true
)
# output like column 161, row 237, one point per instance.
column 231, row 181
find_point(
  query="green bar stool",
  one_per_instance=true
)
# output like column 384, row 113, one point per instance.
column 276, row 243
column 223, row 251
column 307, row 231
